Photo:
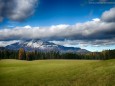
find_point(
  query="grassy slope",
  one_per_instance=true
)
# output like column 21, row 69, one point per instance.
column 57, row 73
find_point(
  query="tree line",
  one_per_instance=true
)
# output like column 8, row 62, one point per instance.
column 21, row 54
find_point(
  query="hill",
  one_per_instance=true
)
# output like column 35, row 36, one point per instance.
column 57, row 73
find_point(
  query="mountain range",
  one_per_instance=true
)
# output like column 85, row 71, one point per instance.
column 40, row 45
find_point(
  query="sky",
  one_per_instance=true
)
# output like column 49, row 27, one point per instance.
column 88, row 24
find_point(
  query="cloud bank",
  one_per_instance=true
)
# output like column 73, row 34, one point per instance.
column 17, row 10
column 98, row 31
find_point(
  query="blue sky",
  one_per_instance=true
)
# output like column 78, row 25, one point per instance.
column 48, row 13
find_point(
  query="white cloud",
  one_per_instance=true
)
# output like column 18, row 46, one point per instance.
column 94, row 29
column 17, row 10
column 96, row 19
column 109, row 16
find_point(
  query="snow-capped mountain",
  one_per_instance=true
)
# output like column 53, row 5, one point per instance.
column 39, row 45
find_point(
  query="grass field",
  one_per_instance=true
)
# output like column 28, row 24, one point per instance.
column 57, row 73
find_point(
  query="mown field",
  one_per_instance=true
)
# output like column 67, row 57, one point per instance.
column 57, row 73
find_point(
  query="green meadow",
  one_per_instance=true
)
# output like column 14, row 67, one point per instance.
column 57, row 73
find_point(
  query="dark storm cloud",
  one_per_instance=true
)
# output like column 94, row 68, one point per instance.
column 17, row 10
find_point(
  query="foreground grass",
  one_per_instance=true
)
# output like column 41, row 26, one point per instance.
column 57, row 73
